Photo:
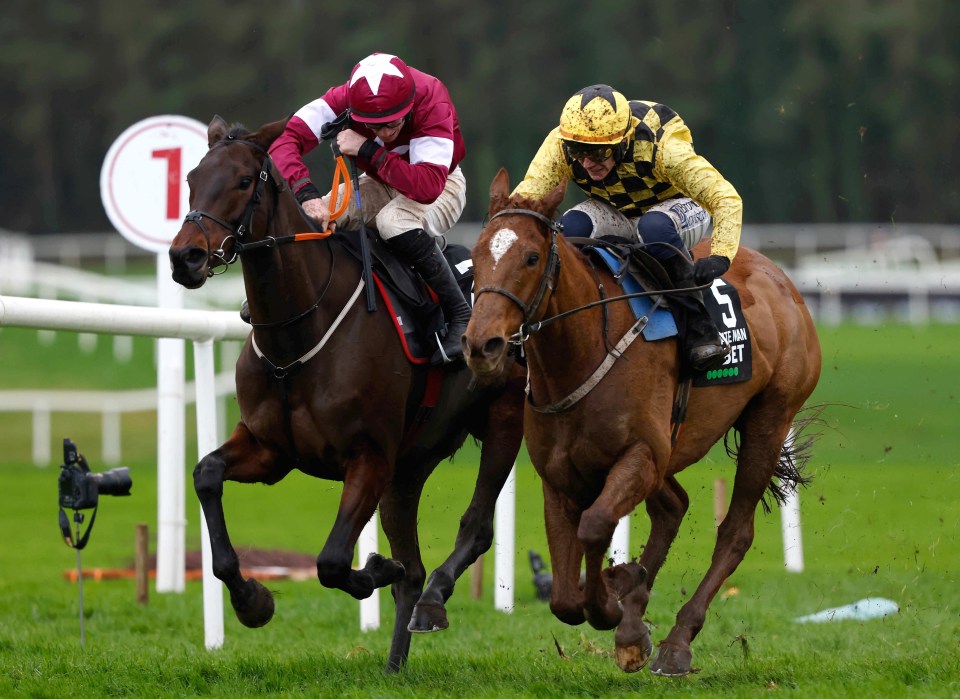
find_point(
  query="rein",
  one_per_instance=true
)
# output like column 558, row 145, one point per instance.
column 245, row 226
column 548, row 281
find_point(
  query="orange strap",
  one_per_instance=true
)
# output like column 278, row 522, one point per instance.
column 340, row 175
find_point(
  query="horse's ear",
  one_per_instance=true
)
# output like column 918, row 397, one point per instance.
column 499, row 191
column 553, row 199
column 268, row 133
column 216, row 130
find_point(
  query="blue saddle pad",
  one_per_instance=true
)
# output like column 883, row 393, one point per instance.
column 662, row 324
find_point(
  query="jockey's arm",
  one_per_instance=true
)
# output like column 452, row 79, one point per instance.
column 695, row 177
column 547, row 170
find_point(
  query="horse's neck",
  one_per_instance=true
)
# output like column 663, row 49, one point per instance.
column 287, row 280
column 566, row 352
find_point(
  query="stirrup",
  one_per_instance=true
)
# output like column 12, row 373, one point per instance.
column 713, row 361
column 440, row 356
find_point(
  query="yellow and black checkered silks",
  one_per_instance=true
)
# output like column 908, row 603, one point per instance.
column 660, row 164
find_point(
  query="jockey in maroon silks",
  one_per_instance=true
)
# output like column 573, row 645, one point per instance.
column 404, row 133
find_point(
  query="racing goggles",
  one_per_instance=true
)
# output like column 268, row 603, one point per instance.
column 581, row 151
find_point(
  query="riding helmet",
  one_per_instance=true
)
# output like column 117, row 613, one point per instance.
column 381, row 89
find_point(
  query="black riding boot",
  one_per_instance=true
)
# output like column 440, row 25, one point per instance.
column 704, row 346
column 418, row 248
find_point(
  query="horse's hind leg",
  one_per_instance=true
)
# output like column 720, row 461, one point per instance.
column 240, row 459
column 398, row 516
column 666, row 508
column 502, row 437
column 761, row 440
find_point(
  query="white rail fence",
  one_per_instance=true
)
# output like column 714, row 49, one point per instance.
column 110, row 405
column 203, row 328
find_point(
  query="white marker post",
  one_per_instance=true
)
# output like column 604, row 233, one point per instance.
column 144, row 192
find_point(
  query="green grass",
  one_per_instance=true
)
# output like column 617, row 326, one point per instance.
column 881, row 519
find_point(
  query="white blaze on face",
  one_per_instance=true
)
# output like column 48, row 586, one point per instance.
column 501, row 242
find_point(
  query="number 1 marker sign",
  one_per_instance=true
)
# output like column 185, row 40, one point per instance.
column 143, row 179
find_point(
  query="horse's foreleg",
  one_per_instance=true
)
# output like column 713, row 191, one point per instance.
column 365, row 479
column 502, row 437
column 628, row 483
column 666, row 508
column 398, row 515
column 759, row 451
column 239, row 459
column 560, row 519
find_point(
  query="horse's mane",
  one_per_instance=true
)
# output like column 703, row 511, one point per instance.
column 523, row 202
column 236, row 131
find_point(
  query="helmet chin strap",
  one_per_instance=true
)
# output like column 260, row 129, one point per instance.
column 621, row 150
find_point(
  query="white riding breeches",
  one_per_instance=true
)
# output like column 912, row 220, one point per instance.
column 692, row 221
column 391, row 213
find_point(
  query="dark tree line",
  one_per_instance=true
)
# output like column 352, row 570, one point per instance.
column 816, row 110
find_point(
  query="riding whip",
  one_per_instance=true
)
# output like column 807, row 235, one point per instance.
column 329, row 132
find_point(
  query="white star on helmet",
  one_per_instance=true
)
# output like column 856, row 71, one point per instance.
column 373, row 68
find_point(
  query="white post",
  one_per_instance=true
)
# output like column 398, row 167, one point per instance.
column 792, row 540
column 122, row 348
column 110, row 434
column 171, row 499
column 369, row 607
column 41, row 435
column 620, row 545
column 790, row 524
column 204, row 374
column 505, row 545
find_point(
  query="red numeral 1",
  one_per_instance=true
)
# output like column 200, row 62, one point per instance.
column 172, row 156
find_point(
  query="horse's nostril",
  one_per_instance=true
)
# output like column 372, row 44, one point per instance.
column 195, row 256
column 493, row 347
column 190, row 258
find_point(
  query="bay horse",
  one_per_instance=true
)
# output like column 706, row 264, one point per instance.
column 603, row 446
column 325, row 387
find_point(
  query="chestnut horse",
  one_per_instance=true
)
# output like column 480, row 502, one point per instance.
column 325, row 387
column 603, row 447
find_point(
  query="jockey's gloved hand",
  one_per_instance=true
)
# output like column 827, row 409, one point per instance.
column 706, row 269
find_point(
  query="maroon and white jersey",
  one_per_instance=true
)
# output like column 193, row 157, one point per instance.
column 416, row 164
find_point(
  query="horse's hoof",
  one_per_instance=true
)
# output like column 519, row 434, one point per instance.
column 672, row 661
column 428, row 618
column 384, row 571
column 256, row 608
column 632, row 658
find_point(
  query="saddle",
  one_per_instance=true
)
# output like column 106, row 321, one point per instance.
column 412, row 305
column 637, row 270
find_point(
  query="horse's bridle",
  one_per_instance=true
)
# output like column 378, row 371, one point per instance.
column 241, row 229
column 547, row 279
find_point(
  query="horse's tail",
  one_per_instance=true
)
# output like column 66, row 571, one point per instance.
column 796, row 451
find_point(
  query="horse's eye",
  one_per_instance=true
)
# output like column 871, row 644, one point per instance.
column 532, row 259
column 245, row 182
